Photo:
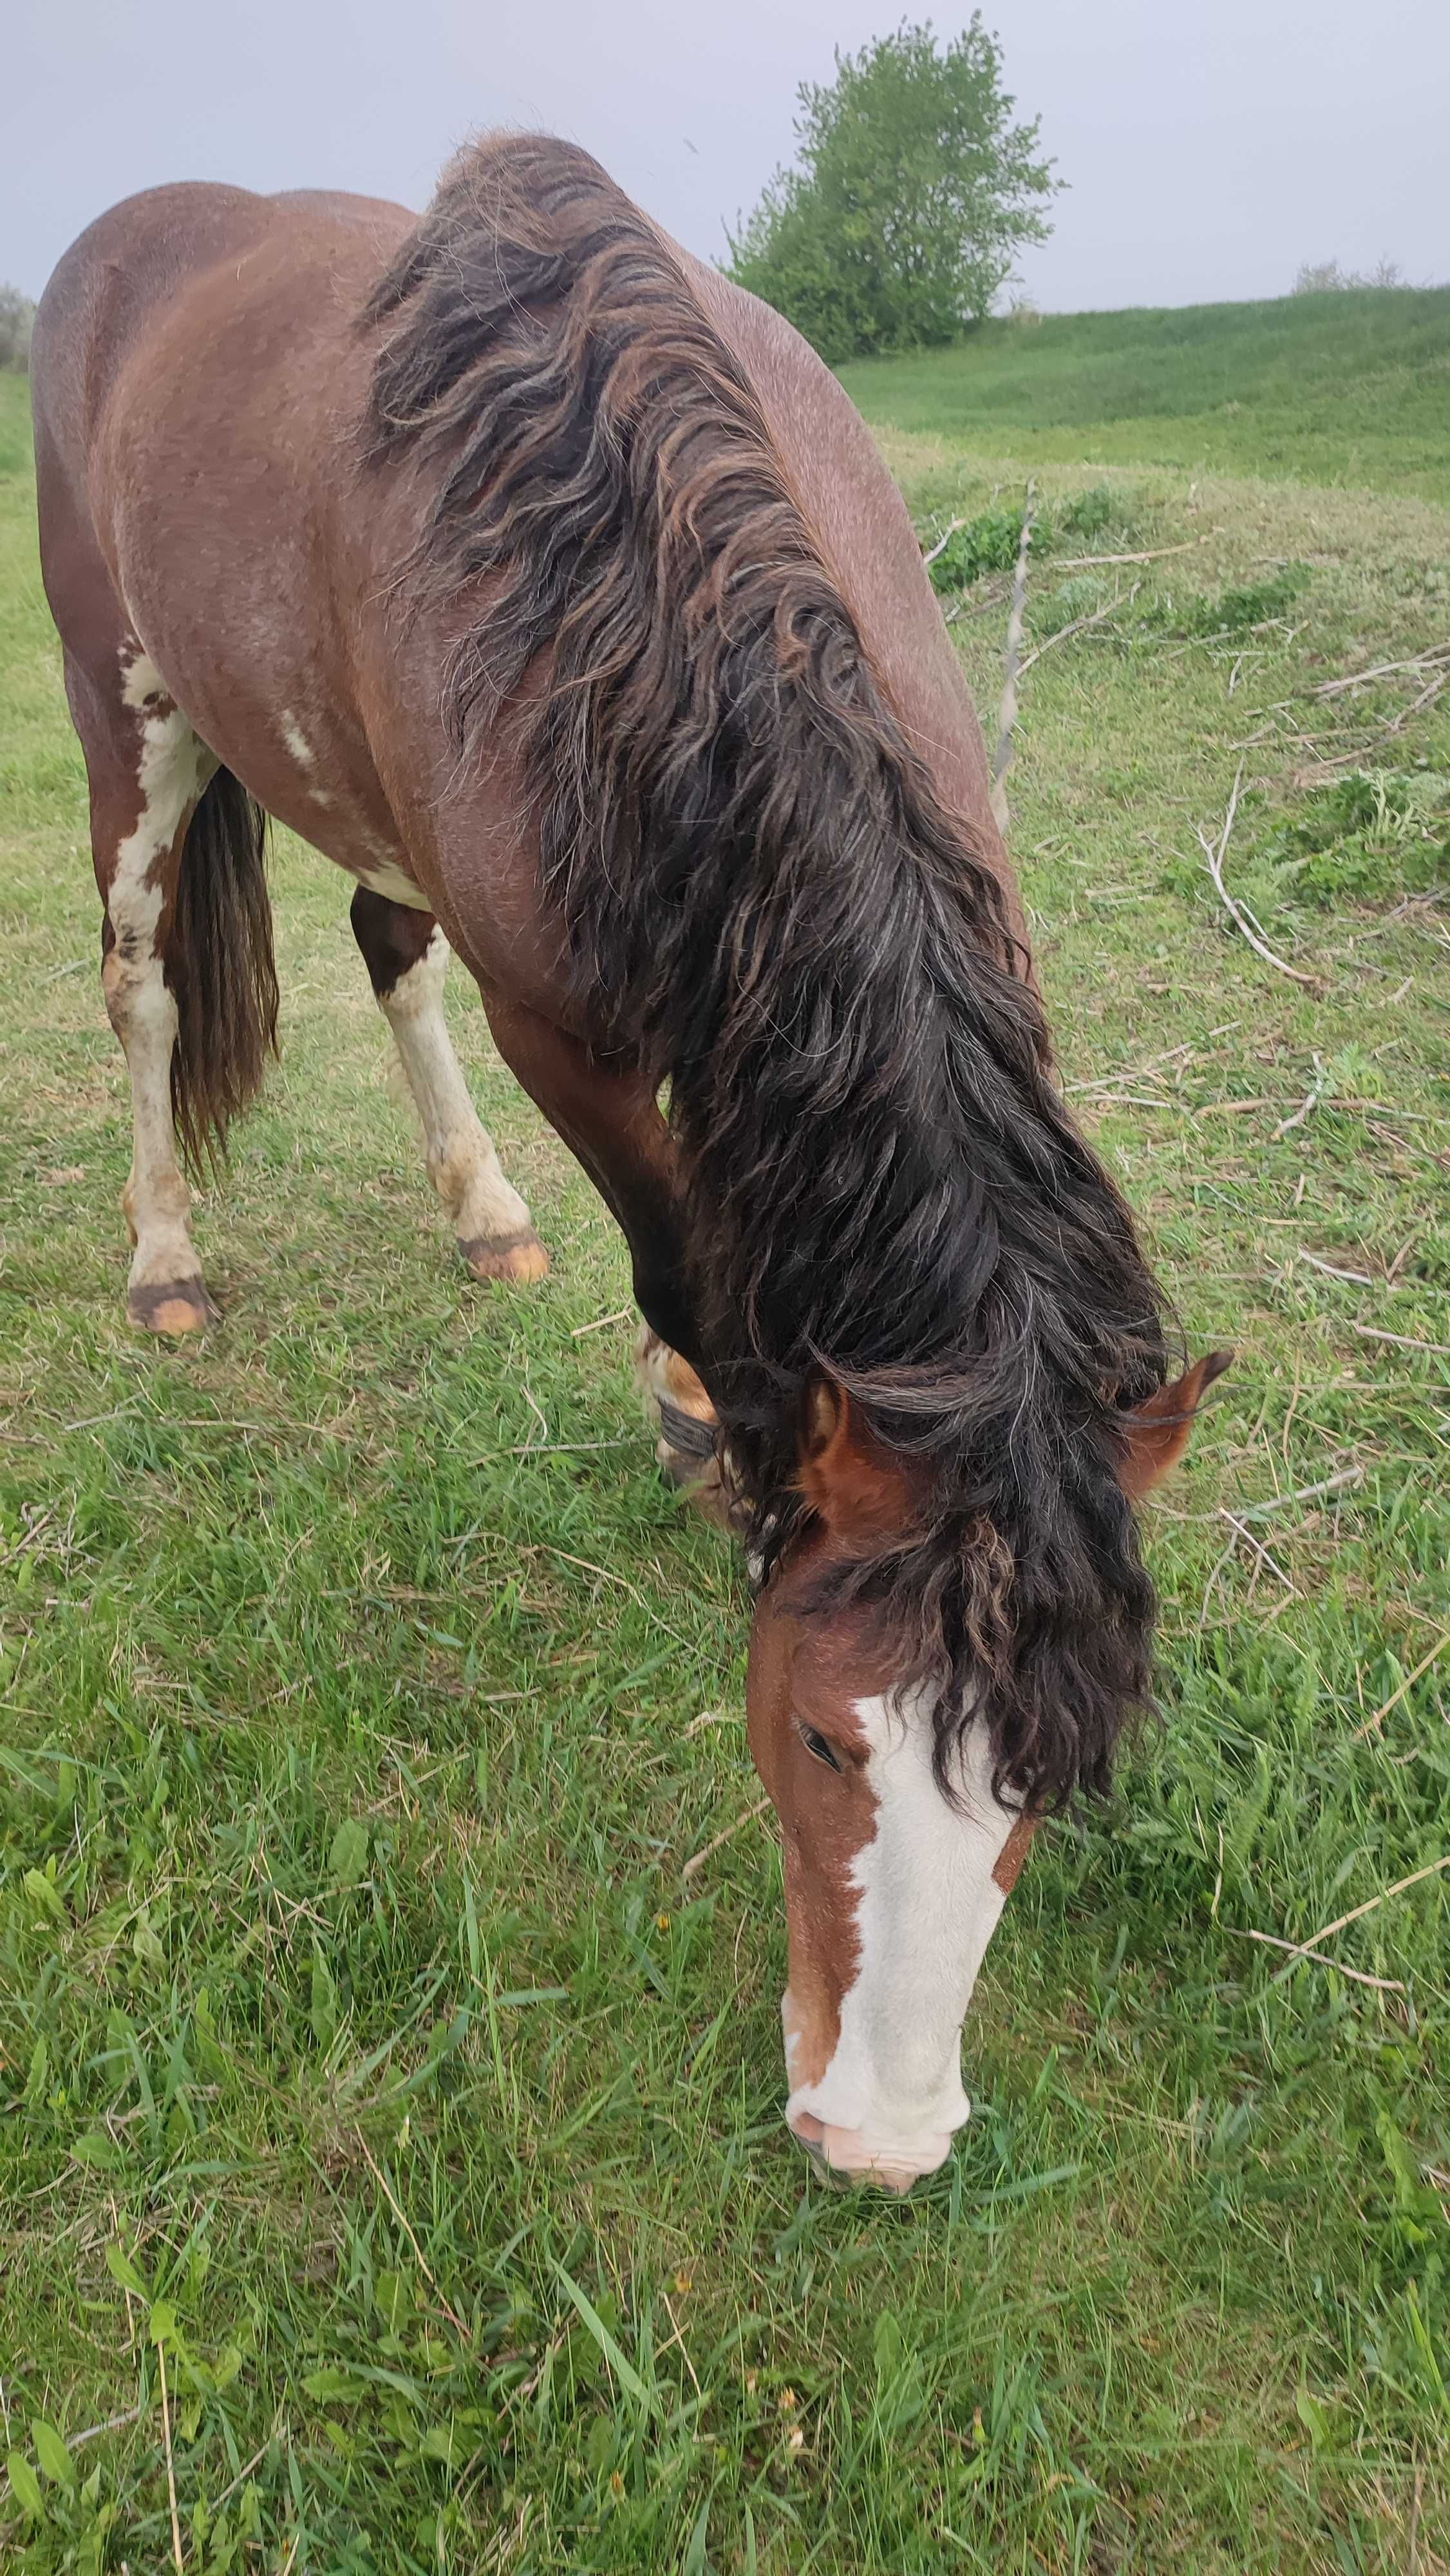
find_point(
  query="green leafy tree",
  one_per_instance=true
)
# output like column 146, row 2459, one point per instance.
column 913, row 194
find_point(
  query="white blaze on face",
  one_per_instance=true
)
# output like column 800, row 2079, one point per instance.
column 891, row 2097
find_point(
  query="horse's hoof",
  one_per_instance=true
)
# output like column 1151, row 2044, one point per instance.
column 520, row 1257
column 174, row 1307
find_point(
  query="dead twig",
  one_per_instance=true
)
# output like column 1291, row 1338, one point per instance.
column 112, row 2424
column 1077, row 627
column 1155, row 554
column 1304, row 1494
column 1357, row 1912
column 1306, row 1107
column 1357, row 1278
column 698, row 1859
column 1007, row 713
column 1235, row 911
column 1382, row 671
column 1371, row 1724
column 1402, row 1341
column 942, row 543
column 170, row 2463
column 1259, row 1549
column 1361, row 1976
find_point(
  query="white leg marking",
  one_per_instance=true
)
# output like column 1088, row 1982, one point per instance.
column 892, row 2095
column 462, row 1164
column 172, row 770
column 388, row 879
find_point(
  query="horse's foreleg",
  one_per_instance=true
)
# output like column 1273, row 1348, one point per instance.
column 406, row 956
column 608, row 1116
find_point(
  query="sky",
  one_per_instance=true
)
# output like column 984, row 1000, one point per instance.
column 1208, row 150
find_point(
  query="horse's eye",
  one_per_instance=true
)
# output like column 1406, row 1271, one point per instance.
column 818, row 1744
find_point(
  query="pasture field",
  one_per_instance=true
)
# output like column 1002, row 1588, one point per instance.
column 367, row 2060
column 1350, row 388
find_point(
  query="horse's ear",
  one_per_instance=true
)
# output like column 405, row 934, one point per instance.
column 1156, row 1435
column 859, row 1490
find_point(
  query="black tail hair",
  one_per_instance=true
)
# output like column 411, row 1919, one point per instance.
column 220, row 966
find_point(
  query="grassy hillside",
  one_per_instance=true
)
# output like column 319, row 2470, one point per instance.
column 364, row 1694
column 1350, row 388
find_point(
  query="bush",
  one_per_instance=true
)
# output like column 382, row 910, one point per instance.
column 1091, row 513
column 988, row 543
column 1367, row 838
column 17, row 314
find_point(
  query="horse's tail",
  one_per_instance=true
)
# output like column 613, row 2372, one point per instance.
column 220, row 965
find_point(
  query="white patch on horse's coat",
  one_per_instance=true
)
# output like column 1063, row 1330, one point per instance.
column 301, row 751
column 891, row 2097
column 141, row 682
column 462, row 1164
column 173, row 767
column 388, row 880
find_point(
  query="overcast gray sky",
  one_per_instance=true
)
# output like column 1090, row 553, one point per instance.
column 1209, row 148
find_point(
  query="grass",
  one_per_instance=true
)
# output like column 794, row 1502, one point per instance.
column 1345, row 389
column 364, row 2053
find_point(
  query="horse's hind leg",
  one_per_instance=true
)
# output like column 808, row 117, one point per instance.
column 147, row 771
column 406, row 956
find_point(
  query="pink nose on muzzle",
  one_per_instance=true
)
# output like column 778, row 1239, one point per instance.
column 849, row 2155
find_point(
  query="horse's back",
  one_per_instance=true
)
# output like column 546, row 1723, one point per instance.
column 127, row 274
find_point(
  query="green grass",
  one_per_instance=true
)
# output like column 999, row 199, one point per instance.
column 363, row 2050
column 1346, row 388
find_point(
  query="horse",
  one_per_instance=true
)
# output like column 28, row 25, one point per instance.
column 552, row 587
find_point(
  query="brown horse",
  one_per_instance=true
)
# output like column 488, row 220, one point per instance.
column 553, row 588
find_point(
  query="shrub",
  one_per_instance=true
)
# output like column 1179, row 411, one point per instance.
column 1367, row 838
column 1326, row 277
column 988, row 543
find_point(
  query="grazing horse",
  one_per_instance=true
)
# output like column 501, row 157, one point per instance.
column 550, row 586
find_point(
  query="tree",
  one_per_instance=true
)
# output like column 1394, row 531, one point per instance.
column 913, row 193
column 16, row 315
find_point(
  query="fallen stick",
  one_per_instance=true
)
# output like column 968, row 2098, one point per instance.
column 170, row 2463
column 1306, row 1107
column 698, row 1859
column 1007, row 713
column 1357, row 1911
column 1235, row 911
column 1407, row 1684
column 1402, row 1341
column 1077, row 627
column 1356, row 1278
column 1382, row 671
column 1304, row 1494
column 1156, row 554
column 1361, row 1976
column 942, row 543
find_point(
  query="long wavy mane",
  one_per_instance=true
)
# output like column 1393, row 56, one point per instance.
column 765, row 900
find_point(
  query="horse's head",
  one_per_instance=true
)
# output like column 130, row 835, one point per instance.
column 894, row 1881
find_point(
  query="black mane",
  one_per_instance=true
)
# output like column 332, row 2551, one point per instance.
column 765, row 898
